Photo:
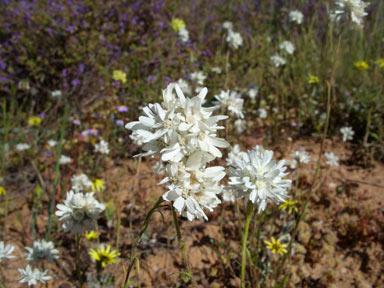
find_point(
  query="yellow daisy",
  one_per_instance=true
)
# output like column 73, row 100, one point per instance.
column 34, row 121
column 275, row 246
column 2, row 191
column 91, row 235
column 103, row 255
column 119, row 75
column 313, row 79
column 98, row 185
column 361, row 65
column 380, row 62
column 289, row 205
column 177, row 24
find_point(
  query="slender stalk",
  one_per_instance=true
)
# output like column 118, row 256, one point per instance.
column 182, row 245
column 138, row 241
column 57, row 172
column 244, row 243
column 78, row 250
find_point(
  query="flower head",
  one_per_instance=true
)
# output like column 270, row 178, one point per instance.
column 2, row 191
column 177, row 24
column 350, row 10
column 42, row 250
column 231, row 101
column 180, row 129
column 79, row 211
column 91, row 235
column 22, row 146
column 380, row 62
column 275, row 246
column 6, row 251
column 258, row 178
column 289, row 206
column 33, row 277
column 102, row 147
column 122, row 108
column 52, row 143
column 361, row 65
column 313, row 79
column 347, row 133
column 98, row 185
column 252, row 93
column 296, row 16
column 183, row 34
column 104, row 255
column 287, row 47
column 332, row 159
column 34, row 121
column 234, row 39
column 119, row 75
column 64, row 160
column 262, row 113
column 277, row 60
column 80, row 183
column 301, row 156
column 227, row 25
column 198, row 77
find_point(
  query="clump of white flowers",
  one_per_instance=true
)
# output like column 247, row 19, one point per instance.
column 6, row 251
column 216, row 70
column 287, row 47
column 52, row 143
column 184, row 86
column 183, row 35
column 102, row 147
column 33, row 277
column 262, row 113
column 349, row 10
column 184, row 134
column 301, row 157
column 296, row 16
column 198, row 77
column 258, row 178
column 240, row 126
column 232, row 101
column 252, row 92
column 64, row 160
column 233, row 38
column 42, row 249
column 332, row 159
column 22, row 146
column 234, row 154
column 347, row 133
column 79, row 211
column 80, row 183
column 278, row 61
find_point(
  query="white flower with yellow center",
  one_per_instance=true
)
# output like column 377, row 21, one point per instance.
column 353, row 10
column 258, row 178
column 232, row 101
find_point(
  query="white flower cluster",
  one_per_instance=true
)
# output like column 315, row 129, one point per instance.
column 80, row 183
column 252, row 92
column 183, row 34
column 33, row 277
column 287, row 47
column 258, row 178
column 102, row 147
column 353, row 10
column 233, row 39
column 262, row 113
column 278, row 61
column 6, row 251
column 296, row 16
column 199, row 78
column 347, row 133
column 42, row 250
column 184, row 86
column 232, row 101
column 79, row 211
column 183, row 133
column 332, row 159
column 22, row 146
column 64, row 160
column 301, row 157
column 192, row 191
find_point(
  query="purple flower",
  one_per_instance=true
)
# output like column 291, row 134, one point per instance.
column 76, row 122
column 75, row 82
column 122, row 108
column 2, row 65
column 119, row 122
column 92, row 131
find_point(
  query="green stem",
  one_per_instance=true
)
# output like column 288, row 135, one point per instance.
column 244, row 243
column 78, row 250
column 57, row 173
column 182, row 245
column 143, row 229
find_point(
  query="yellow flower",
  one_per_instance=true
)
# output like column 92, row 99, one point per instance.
column 177, row 24
column 104, row 255
column 34, row 121
column 98, row 185
column 380, row 62
column 289, row 205
column 2, row 191
column 275, row 246
column 91, row 235
column 313, row 79
column 119, row 75
column 361, row 65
